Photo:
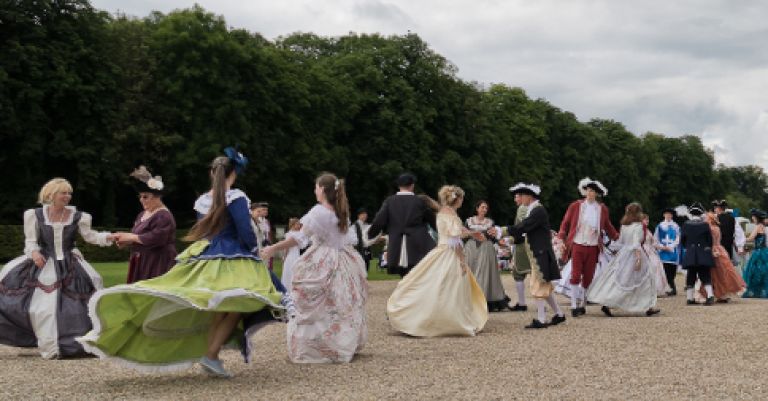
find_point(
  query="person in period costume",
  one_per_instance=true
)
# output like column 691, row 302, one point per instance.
column 629, row 280
column 581, row 231
column 440, row 296
column 153, row 236
column 481, row 257
column 535, row 233
column 292, row 254
column 262, row 226
column 755, row 272
column 521, row 264
column 44, row 293
column 364, row 243
column 405, row 219
column 188, row 314
column 697, row 260
column 651, row 248
column 330, row 288
column 610, row 249
column 726, row 282
column 732, row 233
column 667, row 236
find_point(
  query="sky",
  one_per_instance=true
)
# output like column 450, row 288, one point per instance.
column 679, row 67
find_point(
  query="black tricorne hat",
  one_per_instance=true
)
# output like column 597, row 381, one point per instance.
column 523, row 188
column 696, row 209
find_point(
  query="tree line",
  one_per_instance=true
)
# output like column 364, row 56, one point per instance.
column 88, row 96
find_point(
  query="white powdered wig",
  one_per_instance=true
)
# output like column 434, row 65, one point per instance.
column 586, row 181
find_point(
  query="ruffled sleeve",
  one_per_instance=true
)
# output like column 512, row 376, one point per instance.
column 90, row 235
column 302, row 241
column 30, row 233
column 316, row 223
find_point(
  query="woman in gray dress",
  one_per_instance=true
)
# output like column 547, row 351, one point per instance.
column 481, row 258
column 44, row 293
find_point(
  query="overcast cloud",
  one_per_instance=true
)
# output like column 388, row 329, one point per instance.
column 674, row 67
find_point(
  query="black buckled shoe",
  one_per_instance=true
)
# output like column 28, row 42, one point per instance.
column 518, row 308
column 607, row 311
column 690, row 302
column 651, row 312
column 557, row 319
column 710, row 301
column 537, row 325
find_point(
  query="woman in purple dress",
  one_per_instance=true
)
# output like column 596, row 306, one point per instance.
column 153, row 236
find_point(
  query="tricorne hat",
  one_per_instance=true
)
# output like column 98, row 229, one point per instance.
column 587, row 182
column 523, row 188
column 144, row 182
column 696, row 209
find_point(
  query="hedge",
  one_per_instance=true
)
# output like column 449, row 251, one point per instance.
column 12, row 245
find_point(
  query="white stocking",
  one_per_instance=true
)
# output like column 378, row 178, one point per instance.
column 542, row 310
column 553, row 304
column 520, row 285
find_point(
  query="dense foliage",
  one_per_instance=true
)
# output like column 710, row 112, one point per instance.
column 89, row 96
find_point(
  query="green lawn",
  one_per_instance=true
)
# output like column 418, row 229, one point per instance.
column 115, row 273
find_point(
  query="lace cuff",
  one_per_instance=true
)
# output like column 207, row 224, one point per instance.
column 455, row 242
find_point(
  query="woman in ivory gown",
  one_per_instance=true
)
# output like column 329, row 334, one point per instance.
column 629, row 280
column 440, row 296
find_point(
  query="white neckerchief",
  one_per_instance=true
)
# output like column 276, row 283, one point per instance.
column 405, row 193
column 531, row 206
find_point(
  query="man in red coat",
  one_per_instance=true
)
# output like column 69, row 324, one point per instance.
column 581, row 232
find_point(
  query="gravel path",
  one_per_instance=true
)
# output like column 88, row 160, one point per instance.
column 686, row 352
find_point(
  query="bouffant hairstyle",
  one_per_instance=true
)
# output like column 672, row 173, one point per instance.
column 449, row 195
column 51, row 188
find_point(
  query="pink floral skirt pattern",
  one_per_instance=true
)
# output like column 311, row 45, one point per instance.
column 330, row 289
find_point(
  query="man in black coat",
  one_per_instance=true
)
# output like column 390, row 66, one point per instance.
column 696, row 240
column 535, row 233
column 730, row 231
column 404, row 217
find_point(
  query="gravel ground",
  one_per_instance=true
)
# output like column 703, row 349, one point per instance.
column 686, row 352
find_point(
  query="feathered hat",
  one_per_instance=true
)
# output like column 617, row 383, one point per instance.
column 144, row 182
column 523, row 188
column 682, row 211
column 587, row 182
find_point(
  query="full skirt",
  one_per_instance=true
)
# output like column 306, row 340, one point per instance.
column 330, row 289
column 162, row 324
column 437, row 299
column 755, row 274
column 481, row 258
column 726, row 282
column 620, row 285
column 47, row 307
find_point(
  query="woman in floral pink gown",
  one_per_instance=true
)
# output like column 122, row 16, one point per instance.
column 329, row 282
